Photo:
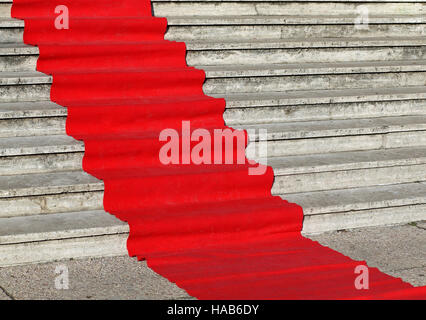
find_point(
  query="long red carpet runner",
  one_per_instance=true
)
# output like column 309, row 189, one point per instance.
column 212, row 229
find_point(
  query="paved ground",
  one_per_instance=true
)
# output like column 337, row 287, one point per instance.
column 397, row 250
column 97, row 278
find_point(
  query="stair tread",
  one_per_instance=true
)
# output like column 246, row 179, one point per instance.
column 321, row 128
column 331, row 95
column 304, row 43
column 6, row 22
column 323, row 202
column 17, row 49
column 313, row 68
column 12, row 146
column 236, row 100
column 351, row 160
column 59, row 226
column 31, row 109
column 48, row 183
column 24, row 77
column 290, row 19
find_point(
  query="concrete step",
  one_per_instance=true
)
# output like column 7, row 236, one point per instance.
column 22, row 146
column 291, row 69
column 17, row 57
column 48, row 183
column 170, row 8
column 24, row 86
column 319, row 42
column 209, row 53
column 285, row 27
column 253, row 114
column 347, row 170
column 308, row 105
column 32, row 126
column 246, row 83
column 309, row 97
column 51, row 203
column 361, row 207
column 315, row 163
column 29, row 109
column 314, row 137
column 40, row 163
column 38, row 154
column 313, row 76
column 238, row 20
column 50, row 192
column 5, row 8
column 11, row 30
column 44, row 238
column 333, row 128
column 24, row 78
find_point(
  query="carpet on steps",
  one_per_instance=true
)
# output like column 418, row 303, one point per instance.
column 213, row 229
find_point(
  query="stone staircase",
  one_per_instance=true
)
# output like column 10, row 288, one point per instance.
column 345, row 109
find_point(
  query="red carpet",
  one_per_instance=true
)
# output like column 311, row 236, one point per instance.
column 214, row 230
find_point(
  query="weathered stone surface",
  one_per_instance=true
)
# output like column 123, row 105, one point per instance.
column 48, row 183
column 394, row 250
column 89, row 279
column 59, row 226
column 53, row 203
column 70, row 248
column 25, row 109
column 358, row 199
column 344, row 108
column 39, row 145
column 273, row 7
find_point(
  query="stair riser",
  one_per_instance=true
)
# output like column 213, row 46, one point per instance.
column 11, row 35
column 27, row 150
column 18, row 114
column 32, row 127
column 43, row 189
column 334, row 111
column 18, row 63
column 363, row 218
column 45, row 204
column 33, row 92
column 342, row 144
column 262, row 56
column 395, row 196
column 238, row 8
column 259, row 32
column 348, row 179
column 321, row 131
column 313, row 82
column 40, row 163
column 315, row 99
column 5, row 9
